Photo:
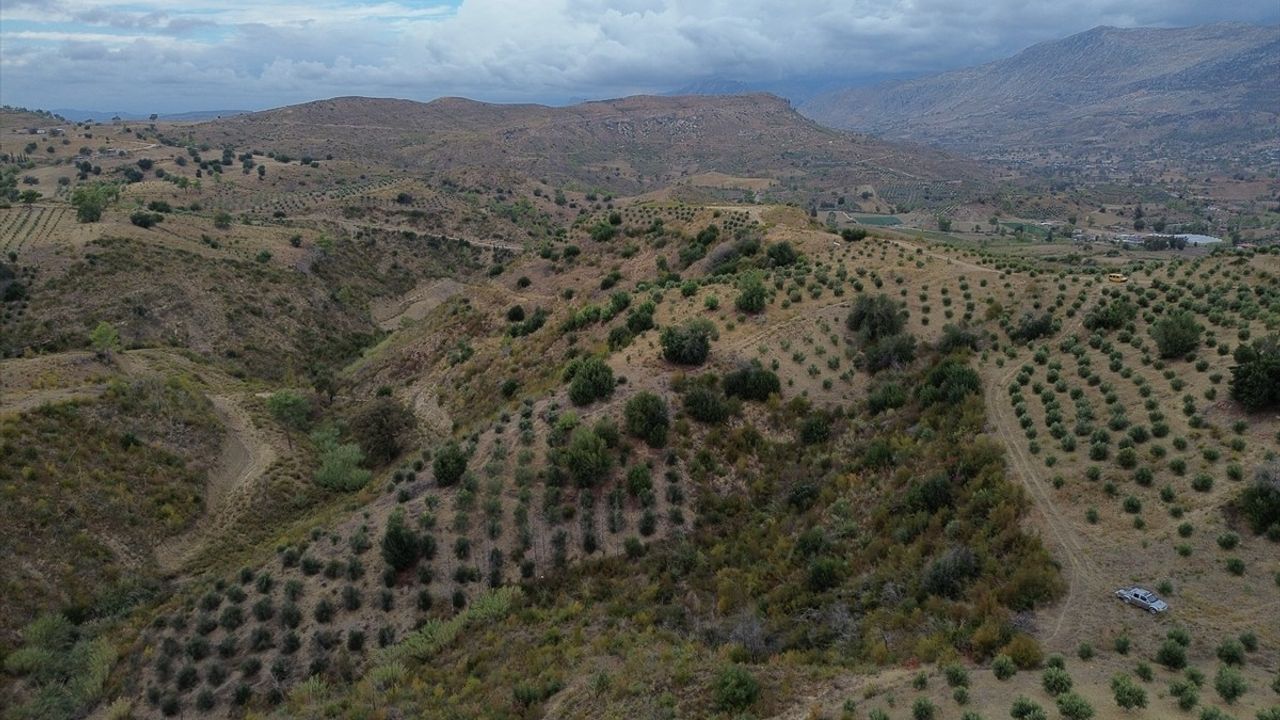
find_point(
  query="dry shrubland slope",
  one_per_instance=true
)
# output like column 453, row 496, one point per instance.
column 370, row 408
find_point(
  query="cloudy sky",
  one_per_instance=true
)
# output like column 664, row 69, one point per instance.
column 175, row 55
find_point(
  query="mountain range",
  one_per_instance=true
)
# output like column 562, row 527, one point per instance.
column 1213, row 86
column 628, row 145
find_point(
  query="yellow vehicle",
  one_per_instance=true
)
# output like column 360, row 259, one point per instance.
column 1118, row 278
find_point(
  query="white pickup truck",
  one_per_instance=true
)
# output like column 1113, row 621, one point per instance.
column 1144, row 599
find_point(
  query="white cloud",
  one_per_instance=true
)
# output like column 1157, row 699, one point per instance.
column 244, row 53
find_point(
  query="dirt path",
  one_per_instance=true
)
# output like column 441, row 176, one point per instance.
column 1085, row 584
column 416, row 304
column 1081, row 575
column 352, row 227
column 244, row 457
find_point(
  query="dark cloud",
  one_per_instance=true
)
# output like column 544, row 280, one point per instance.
column 261, row 54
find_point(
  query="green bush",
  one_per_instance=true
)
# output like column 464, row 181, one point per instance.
column 1127, row 693
column 706, row 404
column 886, row 396
column 1230, row 684
column 646, row 418
column 339, row 462
column 956, row 675
column 688, row 344
column 1032, row 326
column 1231, row 652
column 592, row 380
column 1056, row 681
column 1172, row 654
column 399, row 542
column 587, row 457
column 876, row 316
column 1255, row 378
column 949, row 382
column 1185, row 692
column 379, row 427
column 752, row 295
column 735, row 689
column 1003, row 667
column 888, row 352
column 1260, row 502
column 1074, row 707
column 1176, row 334
column 449, row 464
column 751, row 383
column 923, row 709
column 1024, row 709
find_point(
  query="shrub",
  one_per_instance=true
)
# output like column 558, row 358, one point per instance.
column 379, row 427
column 1172, row 654
column 1185, row 692
column 1128, row 694
column 449, row 464
column 1003, row 667
column 1056, row 681
column 592, row 380
column 1255, row 378
column 646, row 418
column 1032, row 326
column 751, row 294
column 688, row 344
column 887, row 352
column 949, row 382
column 587, row 457
column 399, row 543
column 1260, row 502
column 782, row 254
column 339, row 462
column 735, row 689
column 923, row 709
column 706, row 404
column 886, row 396
column 144, row 219
column 1231, row 652
column 956, row 675
column 876, row 316
column 1074, row 707
column 1024, row 709
column 1229, row 683
column 751, row 383
column 1176, row 334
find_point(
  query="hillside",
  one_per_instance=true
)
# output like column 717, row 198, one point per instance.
column 1170, row 93
column 626, row 146
column 343, row 411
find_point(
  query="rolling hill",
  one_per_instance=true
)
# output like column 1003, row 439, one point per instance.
column 1214, row 86
column 625, row 146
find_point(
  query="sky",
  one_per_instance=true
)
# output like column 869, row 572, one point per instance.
column 168, row 56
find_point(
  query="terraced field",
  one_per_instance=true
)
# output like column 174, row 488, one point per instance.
column 23, row 228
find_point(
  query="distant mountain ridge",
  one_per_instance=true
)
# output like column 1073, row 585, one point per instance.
column 76, row 115
column 1107, row 87
column 627, row 145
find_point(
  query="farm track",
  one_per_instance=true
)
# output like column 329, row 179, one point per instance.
column 243, row 459
column 488, row 244
column 1084, row 581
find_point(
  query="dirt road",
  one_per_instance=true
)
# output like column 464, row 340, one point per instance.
column 244, row 458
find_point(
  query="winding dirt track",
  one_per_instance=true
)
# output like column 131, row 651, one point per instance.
column 244, row 458
column 1083, row 578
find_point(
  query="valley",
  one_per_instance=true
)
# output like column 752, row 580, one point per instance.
column 654, row 407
